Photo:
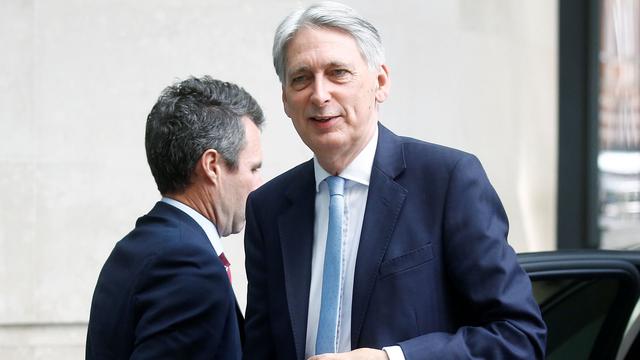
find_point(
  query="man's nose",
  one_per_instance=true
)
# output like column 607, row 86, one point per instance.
column 321, row 94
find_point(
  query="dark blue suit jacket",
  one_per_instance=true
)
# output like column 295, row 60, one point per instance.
column 434, row 273
column 164, row 294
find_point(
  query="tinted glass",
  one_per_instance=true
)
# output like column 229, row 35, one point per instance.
column 575, row 311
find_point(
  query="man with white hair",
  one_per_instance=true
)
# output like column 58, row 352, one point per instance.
column 381, row 246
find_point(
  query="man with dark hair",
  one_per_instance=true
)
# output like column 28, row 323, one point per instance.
column 165, row 291
column 381, row 246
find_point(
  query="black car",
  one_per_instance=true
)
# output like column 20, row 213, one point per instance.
column 589, row 300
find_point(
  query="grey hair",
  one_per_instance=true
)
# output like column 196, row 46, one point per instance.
column 328, row 14
column 191, row 117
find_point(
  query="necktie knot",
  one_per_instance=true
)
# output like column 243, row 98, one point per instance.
column 227, row 265
column 224, row 260
column 336, row 185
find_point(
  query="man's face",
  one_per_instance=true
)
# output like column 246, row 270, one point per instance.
column 330, row 93
column 235, row 185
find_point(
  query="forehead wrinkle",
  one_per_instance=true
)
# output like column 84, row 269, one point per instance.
column 322, row 46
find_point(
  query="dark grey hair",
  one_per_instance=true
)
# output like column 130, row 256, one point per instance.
column 191, row 117
column 328, row 14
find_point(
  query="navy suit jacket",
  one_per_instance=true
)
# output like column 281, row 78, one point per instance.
column 434, row 273
column 164, row 294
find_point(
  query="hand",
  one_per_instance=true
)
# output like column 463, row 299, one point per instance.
column 357, row 354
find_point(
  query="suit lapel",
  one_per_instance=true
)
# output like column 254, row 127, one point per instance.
column 384, row 202
column 296, row 238
column 240, row 317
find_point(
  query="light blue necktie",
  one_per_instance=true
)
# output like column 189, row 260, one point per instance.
column 328, row 322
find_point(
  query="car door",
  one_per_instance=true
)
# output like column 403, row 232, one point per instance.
column 587, row 299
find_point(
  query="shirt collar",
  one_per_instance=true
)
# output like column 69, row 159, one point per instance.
column 359, row 170
column 206, row 224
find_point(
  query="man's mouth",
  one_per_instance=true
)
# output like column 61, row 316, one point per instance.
column 323, row 118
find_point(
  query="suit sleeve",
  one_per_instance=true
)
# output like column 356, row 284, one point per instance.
column 502, row 320
column 258, row 338
column 183, row 305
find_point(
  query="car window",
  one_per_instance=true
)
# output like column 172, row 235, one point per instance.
column 587, row 299
column 575, row 311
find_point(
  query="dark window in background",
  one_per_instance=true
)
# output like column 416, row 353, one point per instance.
column 619, row 125
column 599, row 128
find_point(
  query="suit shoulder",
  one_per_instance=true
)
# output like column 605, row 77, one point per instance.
column 158, row 236
column 153, row 250
column 430, row 153
column 275, row 187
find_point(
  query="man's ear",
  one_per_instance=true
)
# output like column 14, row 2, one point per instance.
column 209, row 165
column 382, row 92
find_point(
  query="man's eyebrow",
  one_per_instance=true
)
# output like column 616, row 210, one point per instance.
column 335, row 64
column 299, row 69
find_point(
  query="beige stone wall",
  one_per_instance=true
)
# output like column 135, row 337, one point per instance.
column 79, row 77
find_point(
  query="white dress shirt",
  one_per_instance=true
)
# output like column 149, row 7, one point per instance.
column 356, row 189
column 206, row 224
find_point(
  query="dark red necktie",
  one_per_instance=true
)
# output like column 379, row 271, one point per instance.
column 227, row 265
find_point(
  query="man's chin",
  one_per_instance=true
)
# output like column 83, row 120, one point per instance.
column 328, row 143
column 238, row 227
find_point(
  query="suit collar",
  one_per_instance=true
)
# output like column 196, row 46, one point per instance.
column 164, row 210
column 295, row 226
column 384, row 204
column 172, row 213
column 298, row 189
column 389, row 154
column 206, row 224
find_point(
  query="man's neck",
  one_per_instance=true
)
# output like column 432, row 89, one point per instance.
column 193, row 198
column 335, row 162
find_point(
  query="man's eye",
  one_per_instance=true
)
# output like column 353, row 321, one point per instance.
column 299, row 82
column 298, row 79
column 341, row 74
